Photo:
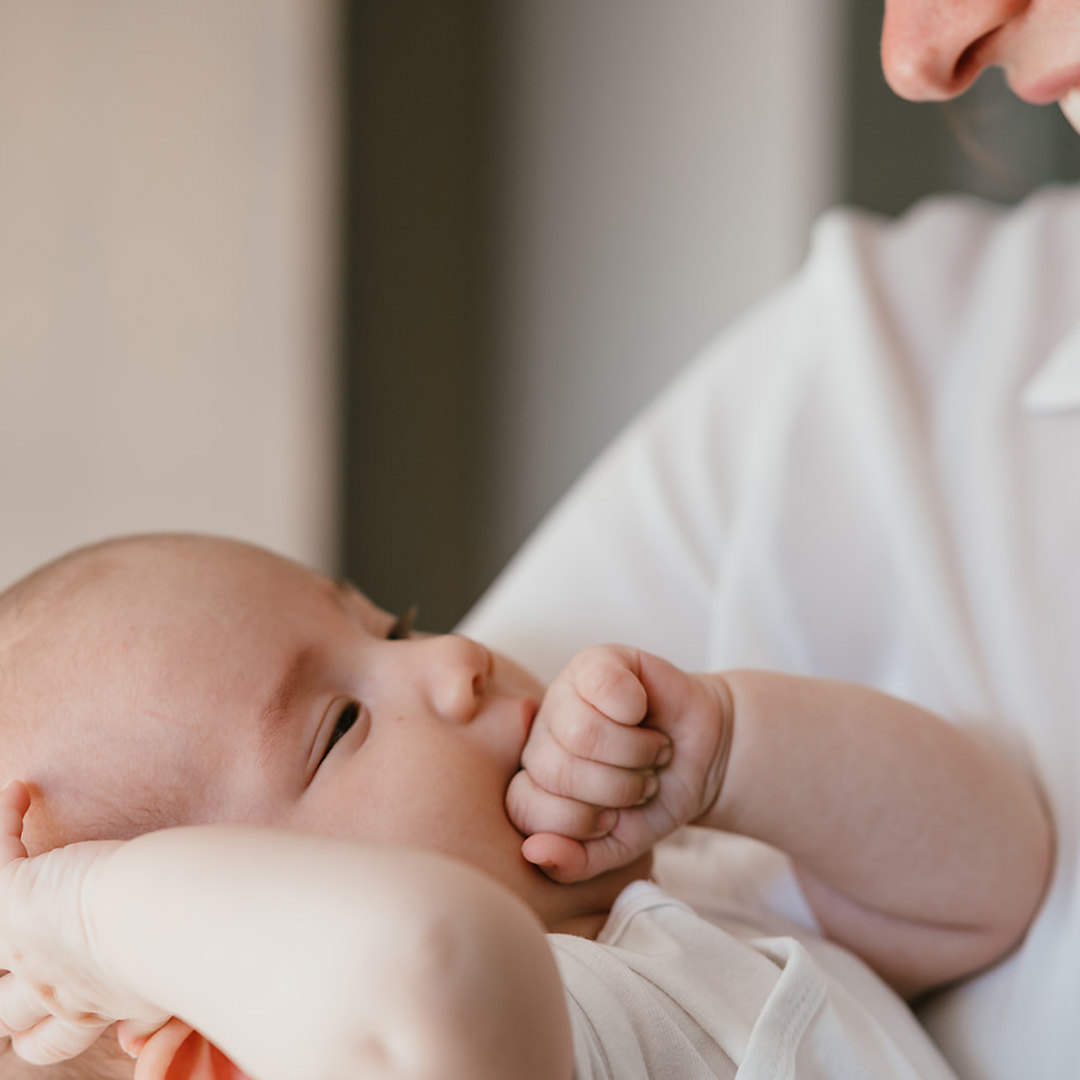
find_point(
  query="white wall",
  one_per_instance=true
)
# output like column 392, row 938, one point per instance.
column 662, row 164
column 167, row 201
column 167, row 216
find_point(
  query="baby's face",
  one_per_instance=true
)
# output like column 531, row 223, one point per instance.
column 227, row 684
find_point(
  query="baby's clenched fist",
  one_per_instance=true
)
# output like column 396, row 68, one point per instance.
column 625, row 749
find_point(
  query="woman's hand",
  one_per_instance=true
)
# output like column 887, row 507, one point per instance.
column 625, row 749
column 56, row 998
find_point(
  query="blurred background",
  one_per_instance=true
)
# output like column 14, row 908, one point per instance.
column 370, row 283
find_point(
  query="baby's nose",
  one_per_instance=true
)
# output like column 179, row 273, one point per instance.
column 458, row 675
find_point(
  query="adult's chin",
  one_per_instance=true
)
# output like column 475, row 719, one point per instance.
column 1070, row 106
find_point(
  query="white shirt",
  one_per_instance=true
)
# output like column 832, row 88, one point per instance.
column 874, row 476
column 665, row 992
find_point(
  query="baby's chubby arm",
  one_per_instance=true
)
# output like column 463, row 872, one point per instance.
column 296, row 955
column 918, row 845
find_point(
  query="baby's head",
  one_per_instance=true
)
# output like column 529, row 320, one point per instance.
column 173, row 680
column 179, row 679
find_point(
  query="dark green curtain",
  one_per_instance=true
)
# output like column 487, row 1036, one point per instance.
column 416, row 93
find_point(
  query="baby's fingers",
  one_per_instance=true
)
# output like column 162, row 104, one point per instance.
column 567, row 861
column 558, row 772
column 582, row 730
column 562, row 859
column 531, row 809
column 605, row 677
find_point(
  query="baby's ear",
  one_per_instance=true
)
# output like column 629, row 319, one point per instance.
column 175, row 1052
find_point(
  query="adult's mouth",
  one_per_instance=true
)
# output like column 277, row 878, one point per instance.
column 1054, row 87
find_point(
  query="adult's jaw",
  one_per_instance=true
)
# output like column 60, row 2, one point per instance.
column 1069, row 103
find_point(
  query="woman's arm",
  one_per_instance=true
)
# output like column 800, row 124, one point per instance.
column 298, row 955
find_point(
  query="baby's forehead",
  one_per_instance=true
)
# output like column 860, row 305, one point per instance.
column 166, row 626
column 67, row 592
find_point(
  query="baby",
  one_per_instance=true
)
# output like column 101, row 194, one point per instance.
column 398, row 855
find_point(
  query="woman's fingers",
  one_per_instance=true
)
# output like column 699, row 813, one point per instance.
column 132, row 1035
column 177, row 1052
column 14, row 802
column 55, row 1039
column 157, row 1052
column 20, row 1007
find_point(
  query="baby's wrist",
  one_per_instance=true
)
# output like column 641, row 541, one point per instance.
column 721, row 717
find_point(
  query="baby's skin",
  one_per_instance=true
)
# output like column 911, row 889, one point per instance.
column 859, row 788
column 625, row 749
column 341, row 792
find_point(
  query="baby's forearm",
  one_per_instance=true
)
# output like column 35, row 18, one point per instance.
column 918, row 844
column 302, row 956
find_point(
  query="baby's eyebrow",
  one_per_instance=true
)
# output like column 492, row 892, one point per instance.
column 275, row 716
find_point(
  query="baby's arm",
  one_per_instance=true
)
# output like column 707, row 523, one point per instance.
column 296, row 955
column 918, row 846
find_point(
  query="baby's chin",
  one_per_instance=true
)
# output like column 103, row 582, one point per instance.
column 582, row 907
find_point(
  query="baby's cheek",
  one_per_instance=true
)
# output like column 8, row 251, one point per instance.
column 533, row 741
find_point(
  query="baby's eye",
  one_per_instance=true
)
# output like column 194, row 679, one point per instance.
column 402, row 625
column 347, row 717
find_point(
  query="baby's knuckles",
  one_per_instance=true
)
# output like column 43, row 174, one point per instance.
column 606, row 677
column 578, row 728
column 587, row 781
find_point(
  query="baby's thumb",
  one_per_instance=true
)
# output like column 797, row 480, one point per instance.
column 562, row 859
